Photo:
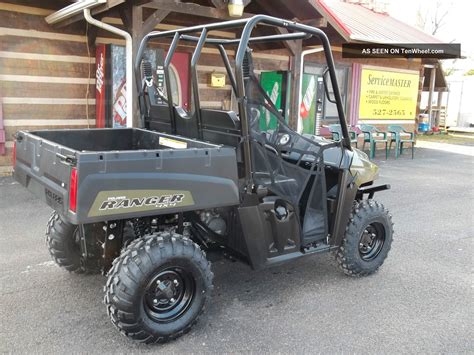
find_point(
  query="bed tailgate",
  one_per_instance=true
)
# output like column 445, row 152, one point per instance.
column 91, row 186
column 44, row 169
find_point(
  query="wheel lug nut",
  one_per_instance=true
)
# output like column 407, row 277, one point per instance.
column 175, row 282
column 158, row 282
column 172, row 300
column 155, row 301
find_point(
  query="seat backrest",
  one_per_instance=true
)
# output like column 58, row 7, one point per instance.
column 186, row 123
column 220, row 119
column 221, row 127
column 159, row 118
column 336, row 131
column 368, row 128
column 395, row 128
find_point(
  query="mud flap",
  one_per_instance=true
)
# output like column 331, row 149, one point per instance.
column 345, row 199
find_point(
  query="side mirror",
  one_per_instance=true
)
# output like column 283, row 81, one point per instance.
column 326, row 83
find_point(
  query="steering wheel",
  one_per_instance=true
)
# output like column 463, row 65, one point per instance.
column 283, row 139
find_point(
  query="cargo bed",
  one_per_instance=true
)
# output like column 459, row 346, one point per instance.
column 92, row 175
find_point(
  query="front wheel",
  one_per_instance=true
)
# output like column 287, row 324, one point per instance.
column 158, row 287
column 367, row 239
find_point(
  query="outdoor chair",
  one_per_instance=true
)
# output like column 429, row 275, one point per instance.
column 336, row 132
column 400, row 136
column 373, row 136
column 356, row 130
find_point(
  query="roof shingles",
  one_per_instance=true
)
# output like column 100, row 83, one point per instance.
column 361, row 24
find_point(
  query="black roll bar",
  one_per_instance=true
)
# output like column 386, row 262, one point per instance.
column 260, row 39
column 228, row 67
column 194, row 61
column 301, row 32
column 166, row 67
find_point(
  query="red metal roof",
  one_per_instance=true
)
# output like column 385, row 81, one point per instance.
column 357, row 23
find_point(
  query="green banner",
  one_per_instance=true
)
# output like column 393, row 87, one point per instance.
column 271, row 82
column 308, row 103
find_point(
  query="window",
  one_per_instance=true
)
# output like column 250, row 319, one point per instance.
column 330, row 109
column 342, row 74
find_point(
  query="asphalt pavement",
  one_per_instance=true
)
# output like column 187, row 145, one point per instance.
column 421, row 300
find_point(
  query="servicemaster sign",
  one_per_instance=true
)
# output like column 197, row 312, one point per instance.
column 388, row 94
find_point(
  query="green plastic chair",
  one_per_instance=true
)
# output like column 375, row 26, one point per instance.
column 372, row 136
column 336, row 132
column 396, row 132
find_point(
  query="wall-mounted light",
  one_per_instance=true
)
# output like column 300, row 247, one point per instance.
column 217, row 80
column 236, row 8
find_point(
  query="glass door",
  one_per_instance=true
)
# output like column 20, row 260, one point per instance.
column 312, row 103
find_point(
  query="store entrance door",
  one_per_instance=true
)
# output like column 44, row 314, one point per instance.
column 312, row 104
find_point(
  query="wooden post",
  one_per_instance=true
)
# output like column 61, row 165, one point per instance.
column 222, row 4
column 430, row 94
column 154, row 19
column 295, row 84
column 268, row 7
column 132, row 18
column 136, row 32
column 192, row 9
column 420, row 93
column 440, row 112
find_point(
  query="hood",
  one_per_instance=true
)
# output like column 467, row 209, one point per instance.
column 361, row 167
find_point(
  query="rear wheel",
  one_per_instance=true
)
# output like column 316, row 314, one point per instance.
column 63, row 241
column 367, row 239
column 158, row 287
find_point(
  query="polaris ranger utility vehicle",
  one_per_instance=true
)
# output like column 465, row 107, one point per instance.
column 144, row 205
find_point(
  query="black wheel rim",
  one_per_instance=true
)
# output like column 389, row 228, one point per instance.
column 371, row 241
column 169, row 294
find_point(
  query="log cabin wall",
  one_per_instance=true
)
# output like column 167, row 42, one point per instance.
column 43, row 74
column 47, row 75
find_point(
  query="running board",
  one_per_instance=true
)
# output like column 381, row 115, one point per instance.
column 308, row 251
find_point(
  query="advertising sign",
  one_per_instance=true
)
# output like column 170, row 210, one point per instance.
column 119, row 104
column 100, row 86
column 272, row 84
column 386, row 94
column 111, row 85
column 308, row 104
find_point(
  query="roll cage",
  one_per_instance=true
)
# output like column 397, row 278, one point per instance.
column 236, row 79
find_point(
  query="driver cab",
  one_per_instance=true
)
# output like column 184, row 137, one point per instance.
column 290, row 173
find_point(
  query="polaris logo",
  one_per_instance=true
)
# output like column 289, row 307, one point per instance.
column 53, row 197
column 164, row 201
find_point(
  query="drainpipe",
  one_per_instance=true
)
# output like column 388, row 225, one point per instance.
column 299, row 126
column 430, row 95
column 128, row 56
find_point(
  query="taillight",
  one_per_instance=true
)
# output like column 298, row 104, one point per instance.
column 14, row 154
column 73, row 190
